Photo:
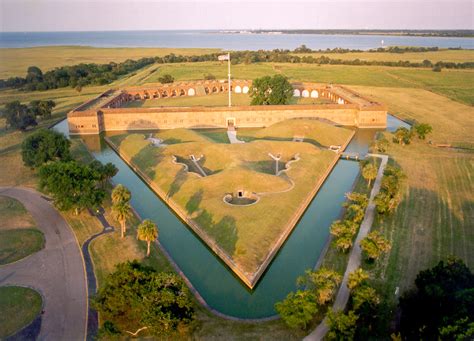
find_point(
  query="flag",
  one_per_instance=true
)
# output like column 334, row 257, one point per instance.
column 223, row 57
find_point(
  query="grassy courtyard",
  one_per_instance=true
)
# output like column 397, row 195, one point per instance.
column 246, row 233
column 19, row 307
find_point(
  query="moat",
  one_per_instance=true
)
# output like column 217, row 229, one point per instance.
column 212, row 279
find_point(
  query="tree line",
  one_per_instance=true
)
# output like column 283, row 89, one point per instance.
column 77, row 76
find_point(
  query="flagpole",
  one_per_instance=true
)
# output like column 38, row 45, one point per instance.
column 228, row 64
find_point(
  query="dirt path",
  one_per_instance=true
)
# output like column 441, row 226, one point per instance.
column 57, row 271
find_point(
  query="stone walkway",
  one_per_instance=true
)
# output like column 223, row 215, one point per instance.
column 356, row 254
column 57, row 271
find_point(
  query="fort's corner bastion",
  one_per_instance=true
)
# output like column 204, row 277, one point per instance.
column 106, row 112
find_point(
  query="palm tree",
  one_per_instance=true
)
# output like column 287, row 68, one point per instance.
column 120, row 194
column 369, row 172
column 122, row 211
column 121, row 208
column 147, row 231
column 356, row 278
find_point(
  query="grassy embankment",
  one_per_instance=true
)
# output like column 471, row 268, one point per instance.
column 246, row 234
column 19, row 307
column 18, row 236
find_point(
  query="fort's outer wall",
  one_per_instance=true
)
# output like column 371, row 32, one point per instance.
column 243, row 117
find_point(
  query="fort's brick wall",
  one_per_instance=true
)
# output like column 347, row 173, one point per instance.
column 350, row 109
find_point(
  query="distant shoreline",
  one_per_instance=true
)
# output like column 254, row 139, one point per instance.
column 408, row 33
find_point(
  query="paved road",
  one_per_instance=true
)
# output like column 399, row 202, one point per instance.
column 57, row 271
column 356, row 254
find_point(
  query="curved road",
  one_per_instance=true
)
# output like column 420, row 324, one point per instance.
column 57, row 271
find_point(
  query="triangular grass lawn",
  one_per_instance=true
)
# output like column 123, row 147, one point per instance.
column 245, row 237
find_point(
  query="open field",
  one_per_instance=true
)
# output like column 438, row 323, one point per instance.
column 434, row 219
column 455, row 84
column 247, row 234
column 19, row 307
column 15, row 61
column 455, row 56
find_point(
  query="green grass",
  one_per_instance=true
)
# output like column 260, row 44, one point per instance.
column 221, row 99
column 15, row 61
column 245, row 233
column 456, row 56
column 19, row 307
column 455, row 84
column 16, row 244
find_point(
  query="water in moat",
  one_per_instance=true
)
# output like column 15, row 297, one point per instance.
column 214, row 281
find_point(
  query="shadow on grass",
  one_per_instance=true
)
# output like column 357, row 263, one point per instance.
column 147, row 159
column 223, row 232
column 193, row 203
column 178, row 181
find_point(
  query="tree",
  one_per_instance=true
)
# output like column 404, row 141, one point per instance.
column 121, row 208
column 72, row 185
column 42, row 108
column 356, row 278
column 369, row 172
column 297, row 309
column 358, row 198
column 271, row 91
column 402, row 136
column 423, row 129
column 374, row 245
column 442, row 300
column 381, row 144
column 136, row 299
column 106, row 172
column 34, row 75
column 18, row 116
column 323, row 282
column 341, row 326
column 147, row 231
column 364, row 295
column 166, row 79
column 355, row 213
column 44, row 145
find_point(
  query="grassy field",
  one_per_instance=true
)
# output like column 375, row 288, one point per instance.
column 19, row 307
column 455, row 56
column 246, row 234
column 221, row 99
column 18, row 236
column 15, row 61
column 434, row 218
column 455, row 84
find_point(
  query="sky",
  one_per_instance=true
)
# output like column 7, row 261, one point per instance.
column 105, row 15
